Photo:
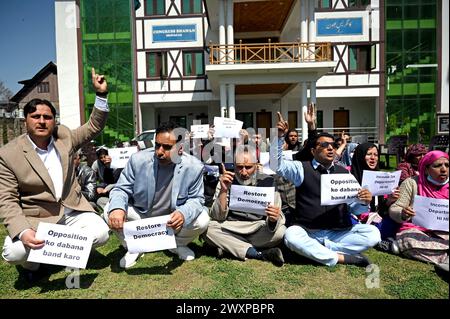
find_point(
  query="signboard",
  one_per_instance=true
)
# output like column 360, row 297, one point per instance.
column 339, row 26
column 171, row 33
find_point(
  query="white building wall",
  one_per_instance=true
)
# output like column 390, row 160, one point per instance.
column 66, row 27
column 445, row 54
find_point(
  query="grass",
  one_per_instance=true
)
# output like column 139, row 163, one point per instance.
column 161, row 275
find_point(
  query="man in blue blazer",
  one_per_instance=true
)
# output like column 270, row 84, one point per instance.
column 165, row 181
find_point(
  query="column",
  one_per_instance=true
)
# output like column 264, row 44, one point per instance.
column 303, row 26
column 230, row 30
column 223, row 100
column 222, row 35
column 304, row 104
column 311, row 26
column 231, row 101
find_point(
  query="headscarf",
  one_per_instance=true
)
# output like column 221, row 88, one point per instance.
column 415, row 150
column 424, row 187
column 359, row 162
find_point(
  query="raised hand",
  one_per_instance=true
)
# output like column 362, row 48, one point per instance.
column 282, row 125
column 226, row 179
column 99, row 82
column 310, row 116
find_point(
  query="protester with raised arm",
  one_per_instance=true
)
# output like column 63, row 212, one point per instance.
column 246, row 234
column 38, row 181
column 323, row 233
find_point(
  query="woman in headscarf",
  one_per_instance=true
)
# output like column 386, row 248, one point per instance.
column 410, row 164
column 365, row 157
column 415, row 241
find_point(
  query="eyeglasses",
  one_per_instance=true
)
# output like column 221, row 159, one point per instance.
column 247, row 167
column 166, row 147
column 326, row 144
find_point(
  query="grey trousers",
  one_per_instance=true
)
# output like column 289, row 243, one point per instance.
column 237, row 244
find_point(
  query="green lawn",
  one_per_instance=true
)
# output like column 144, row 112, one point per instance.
column 208, row 277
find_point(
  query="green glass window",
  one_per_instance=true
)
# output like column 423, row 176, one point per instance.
column 156, row 64
column 191, row 6
column 193, row 63
column 155, row 7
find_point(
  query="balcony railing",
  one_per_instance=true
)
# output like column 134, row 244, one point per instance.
column 270, row 53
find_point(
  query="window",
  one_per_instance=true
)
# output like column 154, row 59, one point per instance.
column 358, row 3
column 361, row 58
column 191, row 6
column 246, row 117
column 43, row 87
column 179, row 120
column 323, row 4
column 319, row 115
column 155, row 7
column 156, row 64
column 193, row 63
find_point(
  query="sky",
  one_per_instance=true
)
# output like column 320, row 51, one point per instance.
column 27, row 39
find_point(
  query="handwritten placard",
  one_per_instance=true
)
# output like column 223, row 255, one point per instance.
column 200, row 131
column 64, row 246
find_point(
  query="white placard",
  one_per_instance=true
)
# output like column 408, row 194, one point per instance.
column 121, row 155
column 288, row 155
column 200, row 131
column 264, row 159
column 431, row 213
column 338, row 189
column 64, row 246
column 149, row 234
column 380, row 183
column 251, row 199
column 225, row 127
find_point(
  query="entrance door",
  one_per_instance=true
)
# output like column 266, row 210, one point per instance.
column 264, row 120
column 292, row 119
column 341, row 119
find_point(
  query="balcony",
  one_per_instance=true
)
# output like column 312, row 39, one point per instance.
column 291, row 52
column 268, row 63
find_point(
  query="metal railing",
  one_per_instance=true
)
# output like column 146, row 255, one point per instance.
column 270, row 53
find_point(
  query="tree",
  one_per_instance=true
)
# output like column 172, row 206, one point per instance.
column 5, row 93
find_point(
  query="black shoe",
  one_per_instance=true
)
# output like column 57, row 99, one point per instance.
column 357, row 260
column 273, row 255
column 389, row 245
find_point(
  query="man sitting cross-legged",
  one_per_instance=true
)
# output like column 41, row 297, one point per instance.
column 243, row 234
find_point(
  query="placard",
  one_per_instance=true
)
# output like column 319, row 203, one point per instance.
column 226, row 127
column 380, row 183
column 251, row 199
column 431, row 213
column 121, row 155
column 338, row 189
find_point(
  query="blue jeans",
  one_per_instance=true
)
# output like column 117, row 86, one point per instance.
column 323, row 246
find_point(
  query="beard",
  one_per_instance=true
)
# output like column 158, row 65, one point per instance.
column 246, row 182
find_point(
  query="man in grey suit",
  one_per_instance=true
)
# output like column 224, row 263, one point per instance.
column 165, row 181
column 38, row 181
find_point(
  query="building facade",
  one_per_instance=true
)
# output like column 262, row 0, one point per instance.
column 192, row 60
